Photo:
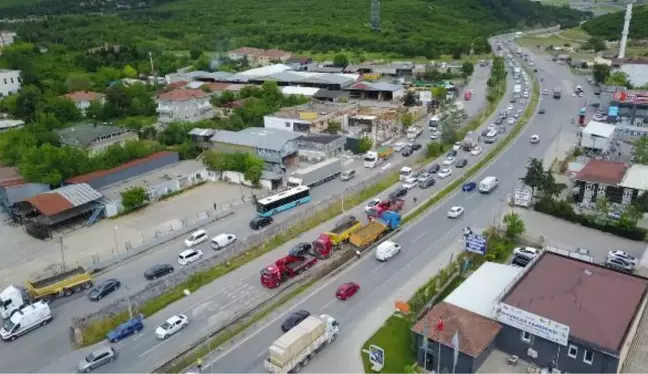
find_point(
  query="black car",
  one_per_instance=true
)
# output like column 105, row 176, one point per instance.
column 294, row 319
column 434, row 168
column 461, row 163
column 103, row 289
column 300, row 249
column 260, row 222
column 158, row 271
column 407, row 151
column 499, row 121
column 416, row 146
column 399, row 192
column 521, row 261
column 451, row 153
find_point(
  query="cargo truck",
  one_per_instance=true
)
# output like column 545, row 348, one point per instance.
column 66, row 283
column 517, row 89
column 294, row 349
column 469, row 142
column 316, row 174
column 557, row 93
column 395, row 205
column 375, row 229
column 373, row 158
column 300, row 258
column 26, row 319
column 341, row 232
column 414, row 132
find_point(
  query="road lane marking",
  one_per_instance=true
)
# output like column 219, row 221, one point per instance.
column 417, row 238
column 138, row 336
column 158, row 345
column 262, row 353
column 328, row 304
column 377, row 268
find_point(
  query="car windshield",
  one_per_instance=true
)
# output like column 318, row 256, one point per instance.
column 90, row 357
column 166, row 325
column 8, row 325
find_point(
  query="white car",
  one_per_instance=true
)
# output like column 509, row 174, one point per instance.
column 172, row 326
column 534, row 139
column 449, row 160
column 196, row 238
column 511, row 121
column 624, row 256
column 188, row 256
column 545, row 92
column 444, row 173
column 434, row 135
column 526, row 252
column 455, row 212
column 399, row 146
column 526, row 94
column 516, row 115
column 456, row 146
column 510, row 107
column 371, row 204
column 410, row 183
column 476, row 151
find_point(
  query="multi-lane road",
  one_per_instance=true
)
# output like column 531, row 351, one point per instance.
column 422, row 242
column 49, row 349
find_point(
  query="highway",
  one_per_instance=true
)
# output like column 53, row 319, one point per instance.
column 52, row 342
column 422, row 242
column 207, row 308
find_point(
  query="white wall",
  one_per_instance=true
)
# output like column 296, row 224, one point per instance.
column 279, row 123
column 399, row 93
column 189, row 111
column 9, row 81
column 237, row 178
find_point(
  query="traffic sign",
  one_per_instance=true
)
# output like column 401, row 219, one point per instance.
column 376, row 355
column 476, row 244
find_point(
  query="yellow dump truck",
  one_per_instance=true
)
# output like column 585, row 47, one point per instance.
column 62, row 284
column 342, row 230
column 368, row 234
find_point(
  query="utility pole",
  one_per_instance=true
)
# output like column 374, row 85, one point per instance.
column 62, row 251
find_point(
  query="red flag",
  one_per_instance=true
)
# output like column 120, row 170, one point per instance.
column 439, row 325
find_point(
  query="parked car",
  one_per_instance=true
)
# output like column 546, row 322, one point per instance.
column 449, row 160
column 461, row 163
column 258, row 223
column 451, row 153
column 172, row 326
column 468, row 186
column 294, row 319
column 188, row 256
column 96, row 359
column 534, row 139
column 444, row 173
column 428, row 181
column 456, row 146
column 410, row 182
column 528, row 252
column 126, row 329
column 371, row 204
column 541, row 111
column 625, row 256
column 619, row 264
column 407, row 151
column 434, row 168
column 157, row 271
column 347, row 175
column 416, row 146
column 476, row 151
column 104, row 289
column 346, row 290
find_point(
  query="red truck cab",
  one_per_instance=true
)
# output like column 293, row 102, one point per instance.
column 323, row 246
column 467, row 95
column 395, row 205
column 285, row 268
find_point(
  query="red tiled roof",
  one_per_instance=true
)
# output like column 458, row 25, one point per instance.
column 602, row 171
column 182, row 94
column 360, row 86
column 246, row 51
column 10, row 177
column 85, row 178
column 597, row 304
column 475, row 332
column 175, row 85
column 215, row 87
column 50, row 204
column 275, row 53
column 84, row 96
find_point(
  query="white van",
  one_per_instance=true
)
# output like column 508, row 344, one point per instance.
column 488, row 184
column 405, row 173
column 222, row 240
column 491, row 136
column 196, row 238
column 387, row 250
column 25, row 320
column 188, row 256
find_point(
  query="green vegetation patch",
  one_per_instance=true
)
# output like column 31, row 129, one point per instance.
column 395, row 338
column 609, row 26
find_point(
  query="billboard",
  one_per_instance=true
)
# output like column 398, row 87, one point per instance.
column 533, row 324
column 475, row 243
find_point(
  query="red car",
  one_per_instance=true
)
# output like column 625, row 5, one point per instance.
column 347, row 290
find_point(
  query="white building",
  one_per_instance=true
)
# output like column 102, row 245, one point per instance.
column 310, row 117
column 82, row 99
column 187, row 105
column 597, row 136
column 10, row 82
column 7, row 38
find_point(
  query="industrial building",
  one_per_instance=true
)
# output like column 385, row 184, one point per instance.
column 310, row 117
column 559, row 313
column 95, row 138
column 376, row 91
column 13, row 188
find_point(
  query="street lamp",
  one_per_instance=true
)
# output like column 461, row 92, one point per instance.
column 115, row 235
column 129, row 301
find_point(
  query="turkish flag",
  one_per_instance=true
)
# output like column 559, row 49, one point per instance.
column 440, row 325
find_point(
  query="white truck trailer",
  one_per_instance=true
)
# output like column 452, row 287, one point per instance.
column 294, row 349
column 316, row 174
column 414, row 132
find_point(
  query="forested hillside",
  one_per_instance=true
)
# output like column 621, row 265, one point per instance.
column 409, row 27
column 610, row 26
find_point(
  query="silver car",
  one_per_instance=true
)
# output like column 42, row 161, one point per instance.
column 97, row 358
column 618, row 264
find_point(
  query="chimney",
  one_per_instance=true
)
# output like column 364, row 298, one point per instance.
column 626, row 31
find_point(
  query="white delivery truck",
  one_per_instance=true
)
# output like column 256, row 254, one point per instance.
column 488, row 184
column 26, row 319
column 294, row 349
column 414, row 132
column 316, row 174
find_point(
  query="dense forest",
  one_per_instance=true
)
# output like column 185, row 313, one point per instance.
column 408, row 27
column 610, row 25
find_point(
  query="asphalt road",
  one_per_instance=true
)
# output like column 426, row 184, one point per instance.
column 226, row 298
column 207, row 308
column 422, row 242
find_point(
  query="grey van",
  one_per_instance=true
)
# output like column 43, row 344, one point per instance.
column 426, row 182
column 347, row 175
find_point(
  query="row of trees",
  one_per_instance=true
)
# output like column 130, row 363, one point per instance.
column 249, row 165
column 609, row 26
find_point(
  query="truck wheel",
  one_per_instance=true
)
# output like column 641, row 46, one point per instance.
column 276, row 284
column 305, row 361
column 297, row 368
column 67, row 292
column 87, row 285
column 13, row 338
column 76, row 289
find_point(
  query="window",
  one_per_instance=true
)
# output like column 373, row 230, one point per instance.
column 526, row 337
column 588, row 357
column 287, row 124
column 573, row 351
column 11, row 80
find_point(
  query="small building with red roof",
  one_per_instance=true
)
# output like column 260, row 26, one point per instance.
column 13, row 188
column 185, row 105
column 601, row 178
column 83, row 99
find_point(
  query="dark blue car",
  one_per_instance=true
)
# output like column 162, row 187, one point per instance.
column 126, row 329
column 469, row 186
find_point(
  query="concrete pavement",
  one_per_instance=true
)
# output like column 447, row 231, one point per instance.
column 151, row 354
column 423, row 242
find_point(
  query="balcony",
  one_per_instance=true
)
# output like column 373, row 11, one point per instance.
column 164, row 110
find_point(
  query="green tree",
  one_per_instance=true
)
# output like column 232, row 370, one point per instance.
column 133, row 198
column 333, row 127
column 433, row 149
column 203, row 62
column 602, row 207
column 439, row 92
column 63, row 109
column 15, row 143
column 407, row 119
column 365, row 144
column 27, row 103
column 617, row 78
column 195, row 53
column 535, row 174
column 549, row 187
column 78, row 82
column 630, row 217
column 514, row 225
column 640, row 151
column 95, row 111
column 596, row 43
column 467, row 68
column 253, row 168
column 129, row 72
column 410, row 99
column 340, row 60
column 601, row 73
column 449, row 133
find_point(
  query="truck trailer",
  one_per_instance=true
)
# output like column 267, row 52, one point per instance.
column 294, row 349
column 375, row 229
column 373, row 158
column 557, row 93
column 66, row 283
column 342, row 230
column 316, row 174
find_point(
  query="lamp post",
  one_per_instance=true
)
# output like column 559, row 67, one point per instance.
column 115, row 235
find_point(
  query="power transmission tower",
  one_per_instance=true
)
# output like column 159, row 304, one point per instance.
column 375, row 15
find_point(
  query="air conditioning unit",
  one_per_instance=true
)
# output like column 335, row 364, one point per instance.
column 532, row 353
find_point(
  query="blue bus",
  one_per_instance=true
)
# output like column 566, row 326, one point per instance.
column 283, row 201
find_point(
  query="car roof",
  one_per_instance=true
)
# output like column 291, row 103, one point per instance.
column 187, row 252
column 198, row 232
column 101, row 350
column 173, row 319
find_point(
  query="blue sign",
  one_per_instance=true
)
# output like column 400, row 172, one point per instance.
column 613, row 111
column 583, row 111
column 376, row 355
column 476, row 244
